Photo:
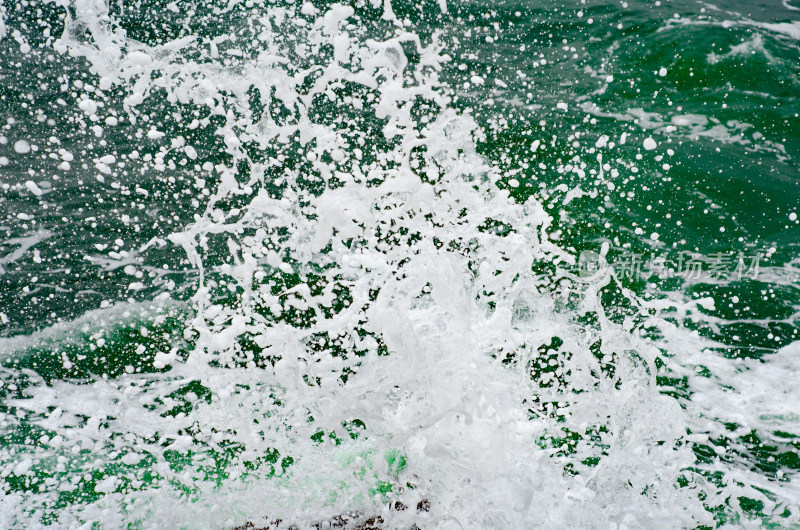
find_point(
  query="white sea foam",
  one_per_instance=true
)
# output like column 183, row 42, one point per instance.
column 23, row 245
column 788, row 29
column 3, row 27
column 505, row 397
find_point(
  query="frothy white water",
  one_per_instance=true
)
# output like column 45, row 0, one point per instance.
column 375, row 322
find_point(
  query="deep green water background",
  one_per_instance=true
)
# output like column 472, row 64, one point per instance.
column 732, row 183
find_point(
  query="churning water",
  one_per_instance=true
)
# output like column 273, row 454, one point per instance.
column 495, row 264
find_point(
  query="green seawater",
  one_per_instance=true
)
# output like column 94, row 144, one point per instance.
column 145, row 381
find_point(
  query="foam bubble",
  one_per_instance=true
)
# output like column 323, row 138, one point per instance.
column 22, row 147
